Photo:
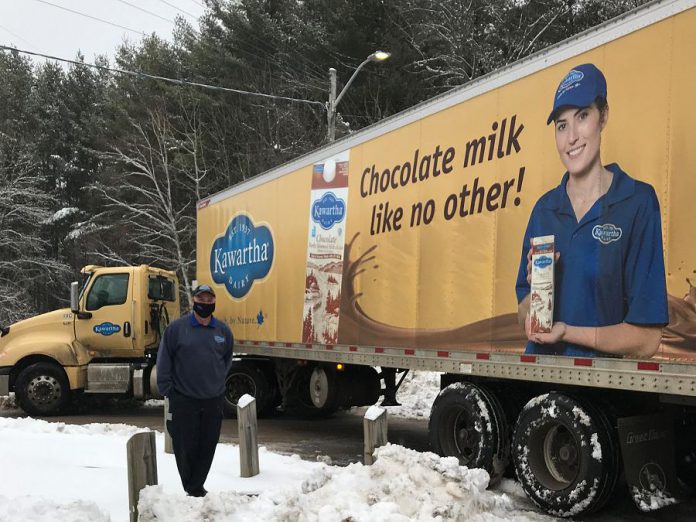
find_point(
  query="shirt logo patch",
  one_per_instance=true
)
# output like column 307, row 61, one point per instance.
column 219, row 339
column 606, row 233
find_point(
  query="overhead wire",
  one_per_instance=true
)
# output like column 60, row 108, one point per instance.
column 175, row 81
column 146, row 11
column 19, row 37
column 89, row 16
column 178, row 9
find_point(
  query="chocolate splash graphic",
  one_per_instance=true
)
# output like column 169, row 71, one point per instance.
column 500, row 333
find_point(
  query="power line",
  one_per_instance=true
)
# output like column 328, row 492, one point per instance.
column 146, row 11
column 179, row 9
column 90, row 16
column 197, row 2
column 140, row 74
column 18, row 37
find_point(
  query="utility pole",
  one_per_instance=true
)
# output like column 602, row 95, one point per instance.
column 331, row 112
column 377, row 56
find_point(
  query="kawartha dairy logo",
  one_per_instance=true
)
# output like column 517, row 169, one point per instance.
column 606, row 233
column 106, row 328
column 542, row 262
column 328, row 210
column 243, row 255
column 569, row 81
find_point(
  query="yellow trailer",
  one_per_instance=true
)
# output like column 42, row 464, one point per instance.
column 398, row 247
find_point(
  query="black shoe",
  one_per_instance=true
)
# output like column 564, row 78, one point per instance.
column 198, row 493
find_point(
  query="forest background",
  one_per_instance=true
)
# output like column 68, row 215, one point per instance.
column 103, row 168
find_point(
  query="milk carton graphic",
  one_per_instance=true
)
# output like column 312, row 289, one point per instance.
column 541, row 298
column 328, row 209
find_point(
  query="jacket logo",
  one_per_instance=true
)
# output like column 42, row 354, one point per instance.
column 241, row 256
column 606, row 233
column 106, row 328
column 219, row 339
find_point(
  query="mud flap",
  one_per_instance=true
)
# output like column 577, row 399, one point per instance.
column 647, row 445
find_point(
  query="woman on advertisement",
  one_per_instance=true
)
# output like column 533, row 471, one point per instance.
column 610, row 296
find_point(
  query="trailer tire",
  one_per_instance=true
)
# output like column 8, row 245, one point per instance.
column 245, row 377
column 42, row 389
column 467, row 421
column 566, row 454
column 299, row 397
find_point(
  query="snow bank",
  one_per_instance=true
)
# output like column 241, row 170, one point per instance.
column 403, row 485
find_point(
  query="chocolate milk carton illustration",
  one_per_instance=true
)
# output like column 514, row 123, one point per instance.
column 325, row 249
column 541, row 300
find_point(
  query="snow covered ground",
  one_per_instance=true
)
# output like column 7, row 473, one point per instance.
column 54, row 471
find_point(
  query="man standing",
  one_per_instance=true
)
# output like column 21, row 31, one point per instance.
column 193, row 360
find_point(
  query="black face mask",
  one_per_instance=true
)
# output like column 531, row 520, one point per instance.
column 204, row 309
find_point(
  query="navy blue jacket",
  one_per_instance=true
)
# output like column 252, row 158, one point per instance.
column 194, row 359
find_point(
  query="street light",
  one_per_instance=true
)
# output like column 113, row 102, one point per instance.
column 377, row 56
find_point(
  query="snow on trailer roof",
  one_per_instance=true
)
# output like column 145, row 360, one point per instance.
column 622, row 25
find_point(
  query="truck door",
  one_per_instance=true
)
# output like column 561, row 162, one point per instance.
column 109, row 301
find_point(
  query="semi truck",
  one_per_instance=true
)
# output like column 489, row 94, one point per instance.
column 105, row 343
column 397, row 248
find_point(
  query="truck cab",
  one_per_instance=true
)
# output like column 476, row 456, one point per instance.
column 106, row 342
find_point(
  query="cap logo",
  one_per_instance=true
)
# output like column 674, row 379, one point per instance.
column 606, row 233
column 569, row 82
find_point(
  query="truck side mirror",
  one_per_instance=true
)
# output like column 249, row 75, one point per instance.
column 74, row 296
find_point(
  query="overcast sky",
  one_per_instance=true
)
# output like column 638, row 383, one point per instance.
column 40, row 26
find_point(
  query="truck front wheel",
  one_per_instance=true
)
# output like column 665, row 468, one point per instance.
column 42, row 389
column 566, row 455
column 467, row 422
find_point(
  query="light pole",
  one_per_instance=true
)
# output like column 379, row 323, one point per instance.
column 377, row 56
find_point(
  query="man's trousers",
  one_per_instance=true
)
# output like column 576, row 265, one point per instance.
column 195, row 430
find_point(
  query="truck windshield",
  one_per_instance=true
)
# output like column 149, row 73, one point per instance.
column 86, row 278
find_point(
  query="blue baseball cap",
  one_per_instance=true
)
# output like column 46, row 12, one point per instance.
column 580, row 87
column 203, row 289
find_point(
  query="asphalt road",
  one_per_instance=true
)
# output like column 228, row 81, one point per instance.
column 341, row 439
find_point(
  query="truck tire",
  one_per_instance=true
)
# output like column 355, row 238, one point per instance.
column 298, row 401
column 42, row 389
column 467, row 422
column 245, row 377
column 566, row 455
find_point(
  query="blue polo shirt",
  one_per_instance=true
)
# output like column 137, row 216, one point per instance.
column 611, row 269
column 193, row 359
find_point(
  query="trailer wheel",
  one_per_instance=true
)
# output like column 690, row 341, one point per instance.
column 566, row 455
column 467, row 422
column 245, row 377
column 42, row 389
column 299, row 400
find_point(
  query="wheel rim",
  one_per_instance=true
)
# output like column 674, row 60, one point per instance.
column 44, row 390
column 466, row 437
column 319, row 387
column 554, row 456
column 237, row 385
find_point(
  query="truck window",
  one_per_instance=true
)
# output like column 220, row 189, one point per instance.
column 110, row 289
column 161, row 289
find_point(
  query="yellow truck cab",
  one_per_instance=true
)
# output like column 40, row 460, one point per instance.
column 106, row 342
